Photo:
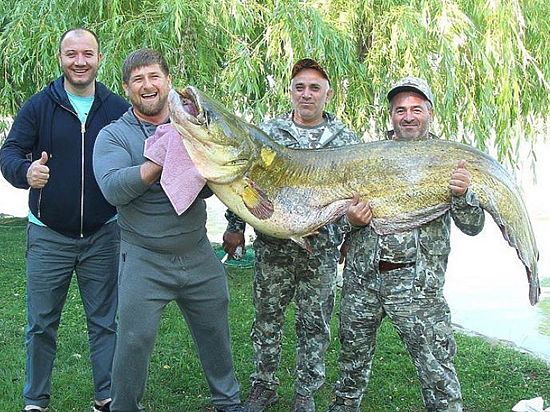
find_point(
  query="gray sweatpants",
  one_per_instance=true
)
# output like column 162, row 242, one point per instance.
column 51, row 260
column 148, row 281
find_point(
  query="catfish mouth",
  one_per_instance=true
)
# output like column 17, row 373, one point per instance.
column 224, row 161
column 189, row 105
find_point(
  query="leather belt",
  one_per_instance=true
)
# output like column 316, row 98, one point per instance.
column 384, row 266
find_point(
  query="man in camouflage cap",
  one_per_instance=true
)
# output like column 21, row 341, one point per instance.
column 284, row 270
column 401, row 276
column 412, row 84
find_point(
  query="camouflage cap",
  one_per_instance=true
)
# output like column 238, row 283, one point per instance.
column 308, row 64
column 414, row 84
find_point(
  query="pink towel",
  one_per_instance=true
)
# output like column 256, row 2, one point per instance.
column 179, row 179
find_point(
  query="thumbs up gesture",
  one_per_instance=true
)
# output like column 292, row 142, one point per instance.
column 38, row 173
column 460, row 179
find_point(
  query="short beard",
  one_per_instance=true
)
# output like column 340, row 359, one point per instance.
column 147, row 109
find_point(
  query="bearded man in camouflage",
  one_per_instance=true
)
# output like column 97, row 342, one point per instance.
column 284, row 270
column 402, row 275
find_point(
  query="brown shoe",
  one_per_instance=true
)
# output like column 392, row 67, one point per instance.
column 260, row 398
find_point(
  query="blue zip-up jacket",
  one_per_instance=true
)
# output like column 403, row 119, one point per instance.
column 71, row 202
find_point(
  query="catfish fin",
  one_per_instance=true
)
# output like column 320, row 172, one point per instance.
column 304, row 242
column 256, row 201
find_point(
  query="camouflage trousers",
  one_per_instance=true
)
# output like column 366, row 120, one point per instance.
column 284, row 273
column 423, row 323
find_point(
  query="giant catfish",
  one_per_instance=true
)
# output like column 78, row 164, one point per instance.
column 289, row 193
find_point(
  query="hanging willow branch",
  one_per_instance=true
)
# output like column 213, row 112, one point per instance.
column 486, row 61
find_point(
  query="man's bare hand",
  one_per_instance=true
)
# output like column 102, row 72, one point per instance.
column 359, row 212
column 38, row 173
column 460, row 179
column 231, row 241
column 150, row 172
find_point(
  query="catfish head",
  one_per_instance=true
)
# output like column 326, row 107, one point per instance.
column 219, row 143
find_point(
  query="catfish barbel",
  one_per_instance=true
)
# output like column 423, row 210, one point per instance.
column 290, row 193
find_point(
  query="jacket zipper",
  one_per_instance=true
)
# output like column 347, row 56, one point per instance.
column 82, row 131
column 39, row 203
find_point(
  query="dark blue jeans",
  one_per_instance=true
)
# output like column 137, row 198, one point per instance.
column 51, row 261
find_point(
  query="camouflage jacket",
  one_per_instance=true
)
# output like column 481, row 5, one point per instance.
column 428, row 245
column 283, row 131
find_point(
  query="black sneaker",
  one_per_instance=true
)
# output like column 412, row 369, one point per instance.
column 102, row 408
column 260, row 398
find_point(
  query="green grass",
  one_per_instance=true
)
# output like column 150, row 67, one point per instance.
column 493, row 377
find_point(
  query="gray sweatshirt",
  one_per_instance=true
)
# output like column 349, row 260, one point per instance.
column 145, row 215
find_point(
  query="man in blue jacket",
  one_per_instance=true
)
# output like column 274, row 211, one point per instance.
column 72, row 227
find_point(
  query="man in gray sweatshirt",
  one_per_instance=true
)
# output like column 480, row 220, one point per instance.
column 163, row 257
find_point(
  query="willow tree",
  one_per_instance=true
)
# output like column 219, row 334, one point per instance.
column 487, row 61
